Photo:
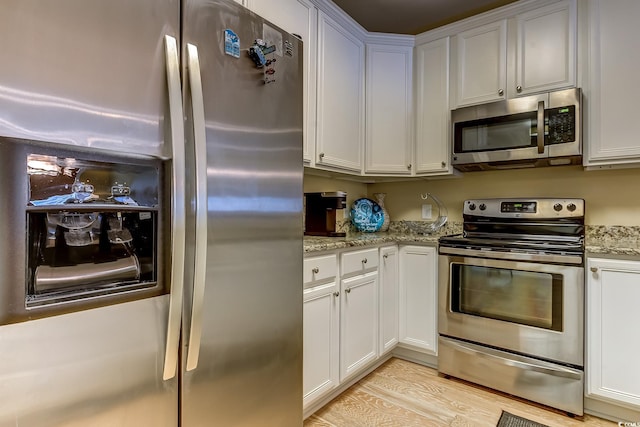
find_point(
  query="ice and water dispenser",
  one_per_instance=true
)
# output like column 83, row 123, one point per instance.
column 93, row 225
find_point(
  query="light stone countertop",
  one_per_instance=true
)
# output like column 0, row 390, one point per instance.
column 600, row 240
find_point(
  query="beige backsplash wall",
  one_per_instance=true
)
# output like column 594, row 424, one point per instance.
column 612, row 196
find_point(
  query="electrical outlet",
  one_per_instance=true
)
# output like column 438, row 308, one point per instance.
column 426, row 211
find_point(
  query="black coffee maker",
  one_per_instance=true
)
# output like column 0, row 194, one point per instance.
column 320, row 213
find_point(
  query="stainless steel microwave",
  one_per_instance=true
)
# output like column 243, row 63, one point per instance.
column 532, row 131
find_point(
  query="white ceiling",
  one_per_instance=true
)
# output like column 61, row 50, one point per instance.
column 413, row 16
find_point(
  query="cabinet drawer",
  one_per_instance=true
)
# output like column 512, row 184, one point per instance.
column 358, row 262
column 319, row 268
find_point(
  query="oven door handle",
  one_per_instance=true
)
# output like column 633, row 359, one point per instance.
column 556, row 372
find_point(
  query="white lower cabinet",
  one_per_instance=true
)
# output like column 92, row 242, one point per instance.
column 613, row 347
column 419, row 298
column 321, row 330
column 358, row 311
column 389, row 293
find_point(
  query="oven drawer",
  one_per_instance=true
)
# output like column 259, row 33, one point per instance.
column 543, row 382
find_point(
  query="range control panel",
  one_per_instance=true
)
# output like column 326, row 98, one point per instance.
column 525, row 208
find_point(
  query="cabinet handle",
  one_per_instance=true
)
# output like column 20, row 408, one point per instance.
column 500, row 92
column 316, row 270
column 321, row 155
column 385, row 256
column 336, row 294
column 518, row 88
column 594, row 269
column 444, row 164
column 409, row 166
column 348, row 290
column 364, row 261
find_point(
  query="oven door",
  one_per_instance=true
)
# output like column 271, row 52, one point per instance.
column 530, row 308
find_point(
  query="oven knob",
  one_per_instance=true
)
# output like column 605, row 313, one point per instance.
column 557, row 207
column 483, row 206
column 472, row 207
column 571, row 207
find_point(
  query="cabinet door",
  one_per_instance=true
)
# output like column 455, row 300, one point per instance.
column 612, row 107
column 388, row 109
column 321, row 340
column 298, row 17
column 389, row 294
column 481, row 64
column 613, row 292
column 432, row 108
column 358, row 323
column 545, row 49
column 418, row 298
column 340, row 131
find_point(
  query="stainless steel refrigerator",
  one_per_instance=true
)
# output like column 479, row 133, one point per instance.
column 182, row 121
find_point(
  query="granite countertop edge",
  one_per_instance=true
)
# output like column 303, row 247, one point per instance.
column 594, row 245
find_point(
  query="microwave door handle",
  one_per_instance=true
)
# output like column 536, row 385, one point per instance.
column 200, row 148
column 540, row 138
column 177, row 207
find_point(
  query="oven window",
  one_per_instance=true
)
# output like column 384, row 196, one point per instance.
column 525, row 297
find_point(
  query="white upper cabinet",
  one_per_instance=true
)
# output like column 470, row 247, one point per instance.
column 298, row 17
column 545, row 50
column 611, row 138
column 531, row 52
column 432, row 108
column 340, row 114
column 481, row 64
column 388, row 143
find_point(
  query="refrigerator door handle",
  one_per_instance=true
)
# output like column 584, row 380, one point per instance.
column 176, row 121
column 200, row 147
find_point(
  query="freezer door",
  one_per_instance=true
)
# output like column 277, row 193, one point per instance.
column 248, row 370
column 86, row 73
column 98, row 368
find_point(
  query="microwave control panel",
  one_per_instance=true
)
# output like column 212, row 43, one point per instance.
column 561, row 125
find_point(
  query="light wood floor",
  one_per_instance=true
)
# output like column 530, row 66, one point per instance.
column 403, row 394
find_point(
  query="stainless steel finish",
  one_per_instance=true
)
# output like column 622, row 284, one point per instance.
column 565, row 347
column 250, row 367
column 316, row 270
column 520, row 157
column 500, row 92
column 86, row 74
column 514, row 256
column 540, row 121
column 200, row 160
column 519, row 89
column 544, row 208
column 544, row 382
column 58, row 277
column 594, row 269
column 92, row 367
column 177, row 207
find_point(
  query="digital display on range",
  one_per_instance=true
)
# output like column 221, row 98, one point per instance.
column 520, row 207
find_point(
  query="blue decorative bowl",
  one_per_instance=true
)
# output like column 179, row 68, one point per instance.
column 367, row 215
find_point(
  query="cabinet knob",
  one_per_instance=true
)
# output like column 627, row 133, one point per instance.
column 518, row 88
column 409, row 166
column 594, row 269
column 364, row 261
column 348, row 290
column 336, row 294
column 444, row 164
column 500, row 92
column 385, row 256
column 321, row 155
column 316, row 270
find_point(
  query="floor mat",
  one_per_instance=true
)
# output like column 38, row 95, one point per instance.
column 509, row 420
